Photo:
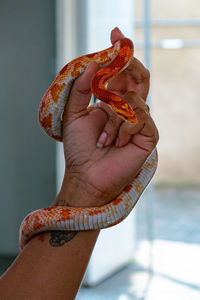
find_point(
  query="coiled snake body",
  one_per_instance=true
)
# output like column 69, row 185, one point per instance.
column 111, row 61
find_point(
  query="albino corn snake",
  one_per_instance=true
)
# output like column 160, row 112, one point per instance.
column 50, row 115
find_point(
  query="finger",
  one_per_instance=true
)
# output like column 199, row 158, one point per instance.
column 136, row 101
column 115, row 126
column 136, row 71
column 144, row 134
column 116, row 35
column 80, row 94
column 127, row 130
column 140, row 78
column 147, row 136
column 134, row 78
column 111, row 127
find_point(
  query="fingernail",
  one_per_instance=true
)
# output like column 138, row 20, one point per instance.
column 102, row 140
column 119, row 31
column 117, row 28
column 117, row 142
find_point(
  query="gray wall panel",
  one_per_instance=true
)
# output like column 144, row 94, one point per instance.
column 27, row 156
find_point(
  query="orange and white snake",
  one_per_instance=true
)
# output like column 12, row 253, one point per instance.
column 111, row 61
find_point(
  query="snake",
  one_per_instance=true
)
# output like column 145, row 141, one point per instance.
column 111, row 62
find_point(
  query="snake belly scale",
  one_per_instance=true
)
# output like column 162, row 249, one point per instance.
column 111, row 61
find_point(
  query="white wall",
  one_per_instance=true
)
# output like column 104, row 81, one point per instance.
column 88, row 30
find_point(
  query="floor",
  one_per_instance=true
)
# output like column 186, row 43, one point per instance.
column 173, row 256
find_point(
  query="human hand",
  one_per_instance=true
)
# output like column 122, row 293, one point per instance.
column 98, row 167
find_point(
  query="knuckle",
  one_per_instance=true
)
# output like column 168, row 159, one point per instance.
column 114, row 120
column 112, row 126
column 126, row 130
column 130, row 95
column 140, row 113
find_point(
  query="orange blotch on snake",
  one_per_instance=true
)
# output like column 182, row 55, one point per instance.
column 128, row 188
column 47, row 121
column 65, row 215
column 104, row 57
column 26, row 219
column 138, row 174
column 91, row 55
column 42, row 105
column 37, row 223
column 125, row 51
column 78, row 67
column 138, row 187
column 95, row 212
column 148, row 165
column 126, row 113
column 64, row 69
column 56, row 90
column 57, row 137
column 103, row 71
column 115, row 98
column 48, row 208
column 117, row 201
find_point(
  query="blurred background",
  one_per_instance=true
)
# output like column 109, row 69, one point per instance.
column 155, row 253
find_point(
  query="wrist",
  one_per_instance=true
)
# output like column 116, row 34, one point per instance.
column 76, row 193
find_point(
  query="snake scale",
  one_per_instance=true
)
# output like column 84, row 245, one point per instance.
column 111, row 61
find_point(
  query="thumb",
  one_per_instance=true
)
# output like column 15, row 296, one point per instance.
column 81, row 93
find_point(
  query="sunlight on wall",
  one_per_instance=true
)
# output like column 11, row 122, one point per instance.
column 175, row 89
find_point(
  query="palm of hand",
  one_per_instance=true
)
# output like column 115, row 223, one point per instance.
column 98, row 175
column 104, row 171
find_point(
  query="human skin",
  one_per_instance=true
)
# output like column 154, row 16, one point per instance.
column 99, row 174
column 98, row 167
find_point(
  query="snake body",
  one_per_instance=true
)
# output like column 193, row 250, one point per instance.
column 111, row 61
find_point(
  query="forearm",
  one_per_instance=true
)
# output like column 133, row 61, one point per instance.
column 50, row 267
